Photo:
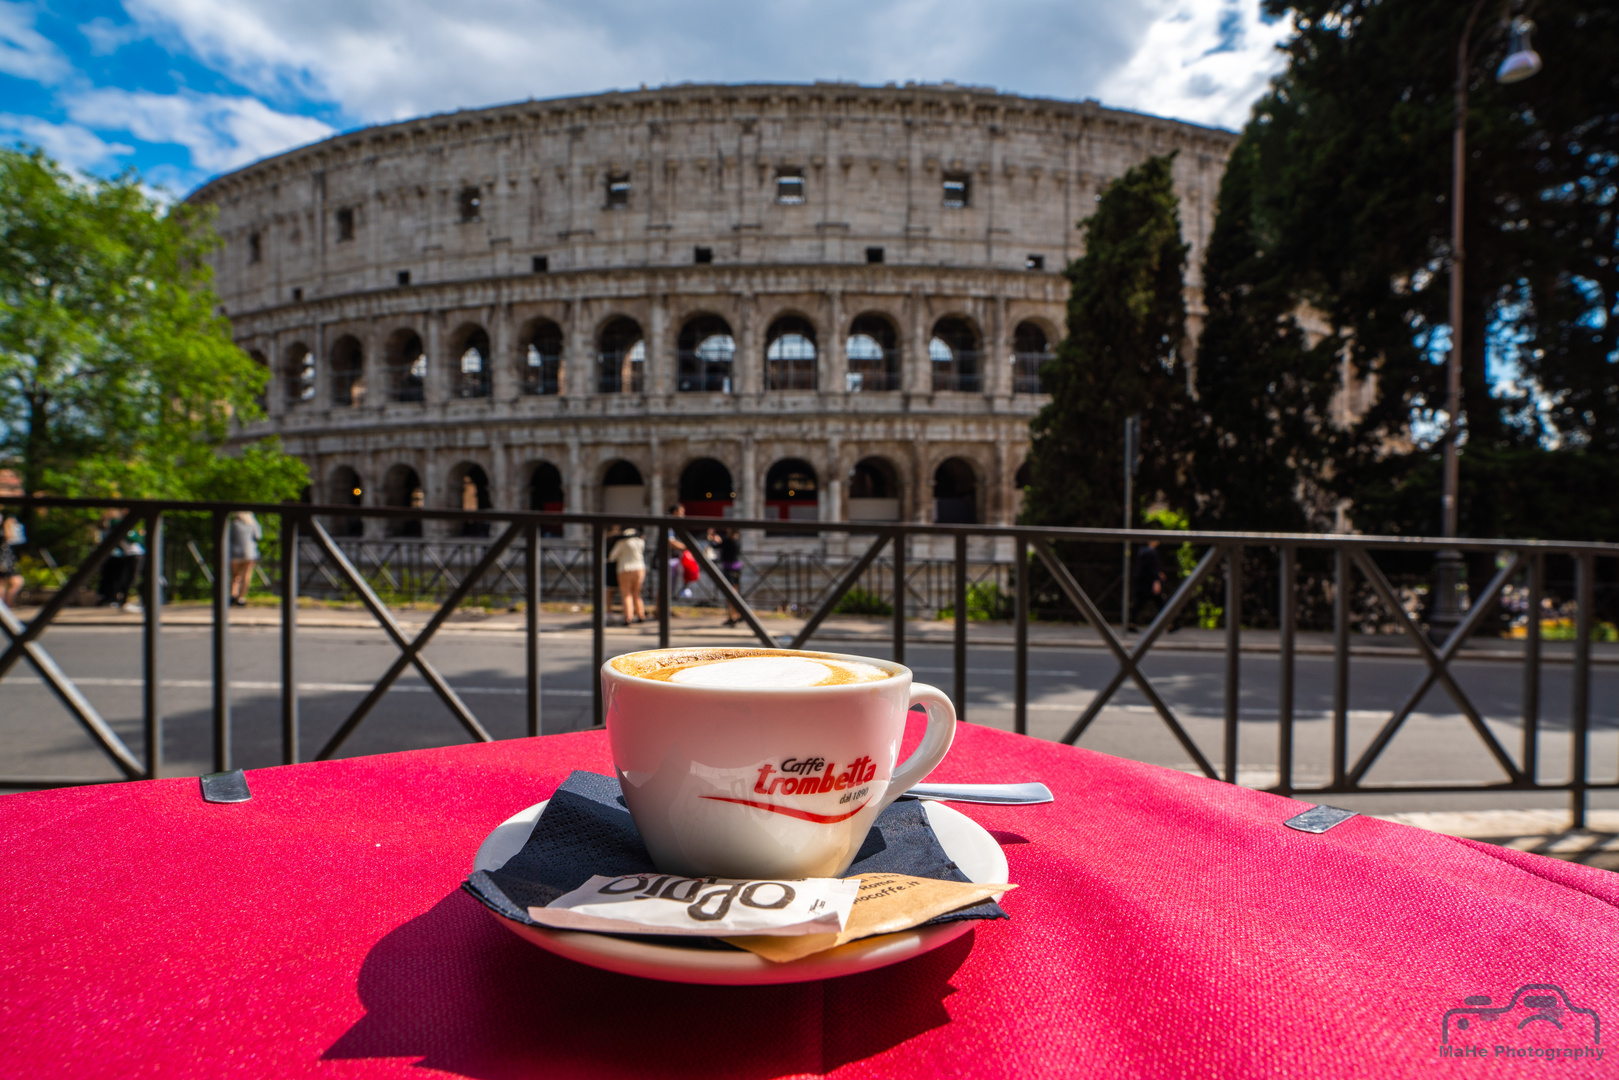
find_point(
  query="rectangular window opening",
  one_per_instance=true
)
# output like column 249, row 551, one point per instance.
column 702, row 255
column 957, row 190
column 297, row 294
column 618, row 190
column 874, row 255
column 1034, row 262
column 255, row 248
column 471, row 203
column 345, row 223
column 542, row 264
column 404, row 277
column 790, row 186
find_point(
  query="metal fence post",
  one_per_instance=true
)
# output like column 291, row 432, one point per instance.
column 661, row 568
column 1020, row 714
column 531, row 624
column 1340, row 665
column 151, row 646
column 900, row 538
column 598, row 615
column 290, row 543
column 1580, row 699
column 1287, row 622
column 960, row 662
column 1233, row 656
column 1530, row 757
column 221, row 636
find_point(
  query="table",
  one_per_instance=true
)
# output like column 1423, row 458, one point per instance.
column 1166, row 925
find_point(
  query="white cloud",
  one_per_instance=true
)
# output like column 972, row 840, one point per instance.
column 24, row 51
column 107, row 37
column 1202, row 60
column 386, row 59
column 69, row 144
column 221, row 132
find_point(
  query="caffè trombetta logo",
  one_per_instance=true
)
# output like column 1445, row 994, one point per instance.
column 815, row 776
column 1537, row 1021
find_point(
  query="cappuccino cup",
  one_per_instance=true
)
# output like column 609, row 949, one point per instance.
column 750, row 763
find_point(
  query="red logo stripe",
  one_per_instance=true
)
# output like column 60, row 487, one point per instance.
column 791, row 811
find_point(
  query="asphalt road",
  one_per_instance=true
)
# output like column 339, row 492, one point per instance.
column 337, row 667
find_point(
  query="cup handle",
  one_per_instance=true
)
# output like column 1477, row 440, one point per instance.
column 936, row 741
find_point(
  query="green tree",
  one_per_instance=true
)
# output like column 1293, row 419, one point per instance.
column 1126, row 322
column 118, row 376
column 1339, row 197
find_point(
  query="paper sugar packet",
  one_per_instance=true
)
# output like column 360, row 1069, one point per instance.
column 702, row 907
column 887, row 903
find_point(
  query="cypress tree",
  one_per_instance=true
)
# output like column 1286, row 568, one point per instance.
column 1126, row 321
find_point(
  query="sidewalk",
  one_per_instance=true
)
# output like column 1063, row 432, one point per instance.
column 1544, row 832
column 838, row 629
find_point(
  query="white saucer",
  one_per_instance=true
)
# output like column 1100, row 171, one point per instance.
column 963, row 839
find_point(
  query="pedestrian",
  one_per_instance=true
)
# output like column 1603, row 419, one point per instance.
column 677, row 576
column 629, row 556
column 1147, row 590
column 244, row 554
column 112, row 567
column 730, row 559
column 11, row 582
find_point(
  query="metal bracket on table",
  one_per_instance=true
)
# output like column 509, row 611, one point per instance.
column 1318, row 819
column 225, row 787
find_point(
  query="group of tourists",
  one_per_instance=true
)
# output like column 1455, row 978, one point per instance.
column 626, row 567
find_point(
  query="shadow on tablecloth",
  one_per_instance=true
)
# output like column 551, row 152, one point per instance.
column 466, row 996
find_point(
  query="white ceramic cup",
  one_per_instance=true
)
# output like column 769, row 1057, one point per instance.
column 750, row 782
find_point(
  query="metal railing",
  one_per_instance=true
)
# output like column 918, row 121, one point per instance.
column 1227, row 559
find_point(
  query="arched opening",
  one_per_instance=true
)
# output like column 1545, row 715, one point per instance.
column 407, row 366
column 706, row 489
column 874, row 491
column 343, row 488
column 348, row 373
column 792, row 491
column 469, row 490
column 541, row 367
column 623, row 490
column 955, row 493
column 706, row 351
column 545, row 494
column 1031, row 350
column 790, row 354
column 621, row 358
column 953, row 350
column 472, row 367
column 401, row 487
column 1020, row 486
column 298, row 371
column 873, row 350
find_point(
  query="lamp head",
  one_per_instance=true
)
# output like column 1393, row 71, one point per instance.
column 1522, row 61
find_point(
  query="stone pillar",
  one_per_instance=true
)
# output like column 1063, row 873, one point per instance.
column 747, row 370
column 579, row 355
column 655, row 483
column 916, row 372
column 998, row 374
column 749, row 484
column 437, row 388
column 502, row 354
column 576, row 488
column 832, row 505
column 501, row 493
column 323, row 371
column 275, row 391
column 832, row 376
column 659, row 377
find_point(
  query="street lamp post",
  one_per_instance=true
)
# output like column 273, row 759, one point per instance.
column 1449, row 569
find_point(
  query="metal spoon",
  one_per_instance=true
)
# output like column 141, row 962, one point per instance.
column 1004, row 794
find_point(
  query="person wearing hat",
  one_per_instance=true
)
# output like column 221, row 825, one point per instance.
column 629, row 556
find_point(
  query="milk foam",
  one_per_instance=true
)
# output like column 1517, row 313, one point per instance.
column 762, row 672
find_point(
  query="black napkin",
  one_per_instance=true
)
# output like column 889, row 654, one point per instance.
column 587, row 830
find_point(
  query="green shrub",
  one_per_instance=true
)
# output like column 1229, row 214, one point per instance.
column 985, row 602
column 859, row 601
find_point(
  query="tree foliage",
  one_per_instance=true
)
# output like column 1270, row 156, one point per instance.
column 118, row 376
column 1126, row 322
column 1337, row 202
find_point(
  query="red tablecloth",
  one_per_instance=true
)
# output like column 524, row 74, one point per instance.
column 1166, row 926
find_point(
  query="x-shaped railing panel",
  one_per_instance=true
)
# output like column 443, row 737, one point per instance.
column 1129, row 660
column 1438, row 667
column 410, row 650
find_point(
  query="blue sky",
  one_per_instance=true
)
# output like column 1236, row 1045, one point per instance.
column 185, row 89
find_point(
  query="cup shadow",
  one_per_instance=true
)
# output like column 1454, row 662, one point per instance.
column 464, row 996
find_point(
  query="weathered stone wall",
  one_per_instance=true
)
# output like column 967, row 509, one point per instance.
column 493, row 220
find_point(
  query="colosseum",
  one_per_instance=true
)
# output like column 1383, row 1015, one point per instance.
column 824, row 302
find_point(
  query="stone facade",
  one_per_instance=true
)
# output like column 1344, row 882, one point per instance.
column 821, row 276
